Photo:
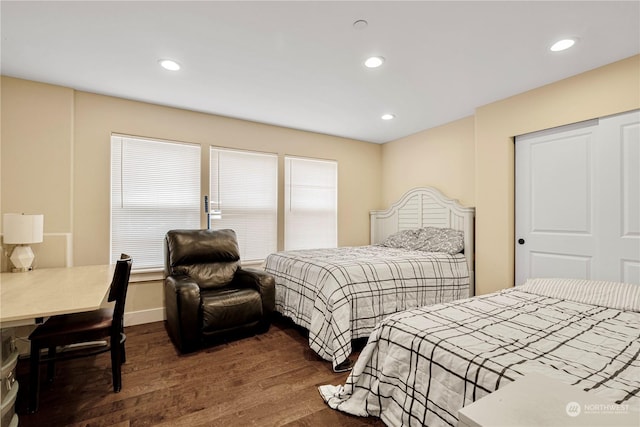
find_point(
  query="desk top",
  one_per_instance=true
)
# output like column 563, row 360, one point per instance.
column 45, row 292
column 537, row 400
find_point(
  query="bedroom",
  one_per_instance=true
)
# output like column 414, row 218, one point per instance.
column 468, row 159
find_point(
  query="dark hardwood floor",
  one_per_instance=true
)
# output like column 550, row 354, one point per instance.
column 264, row 380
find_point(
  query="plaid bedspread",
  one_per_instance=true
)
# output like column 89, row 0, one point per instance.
column 340, row 294
column 421, row 366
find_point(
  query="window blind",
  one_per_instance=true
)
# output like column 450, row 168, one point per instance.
column 244, row 198
column 155, row 187
column 311, row 204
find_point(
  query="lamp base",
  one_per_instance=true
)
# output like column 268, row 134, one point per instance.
column 22, row 258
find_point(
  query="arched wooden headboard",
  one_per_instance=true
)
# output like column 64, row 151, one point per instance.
column 427, row 207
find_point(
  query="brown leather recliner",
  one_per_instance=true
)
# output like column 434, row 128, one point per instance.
column 207, row 293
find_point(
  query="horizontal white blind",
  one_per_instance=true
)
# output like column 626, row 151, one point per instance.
column 244, row 189
column 155, row 187
column 311, row 204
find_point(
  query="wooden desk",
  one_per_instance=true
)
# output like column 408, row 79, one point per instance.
column 44, row 292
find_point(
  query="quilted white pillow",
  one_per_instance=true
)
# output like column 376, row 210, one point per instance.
column 434, row 239
column 428, row 239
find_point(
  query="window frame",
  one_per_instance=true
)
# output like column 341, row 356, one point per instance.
column 214, row 203
column 288, row 194
column 116, row 138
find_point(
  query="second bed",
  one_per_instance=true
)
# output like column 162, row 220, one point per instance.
column 421, row 254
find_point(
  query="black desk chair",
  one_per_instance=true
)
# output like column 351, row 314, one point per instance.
column 85, row 327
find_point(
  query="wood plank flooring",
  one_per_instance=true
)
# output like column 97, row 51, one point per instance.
column 264, row 380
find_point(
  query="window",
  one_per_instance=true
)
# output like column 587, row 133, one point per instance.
column 155, row 187
column 311, row 204
column 244, row 197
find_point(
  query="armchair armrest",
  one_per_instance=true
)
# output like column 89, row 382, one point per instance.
column 263, row 282
column 182, row 302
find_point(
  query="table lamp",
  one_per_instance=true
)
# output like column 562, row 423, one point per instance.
column 22, row 230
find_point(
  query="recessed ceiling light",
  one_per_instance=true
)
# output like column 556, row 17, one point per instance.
column 562, row 45
column 360, row 24
column 169, row 64
column 388, row 116
column 374, row 62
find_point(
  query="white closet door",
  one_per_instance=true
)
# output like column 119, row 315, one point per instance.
column 578, row 201
column 555, row 199
column 618, row 215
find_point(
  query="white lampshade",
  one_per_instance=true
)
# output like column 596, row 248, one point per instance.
column 22, row 229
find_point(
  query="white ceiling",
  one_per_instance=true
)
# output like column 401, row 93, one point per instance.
column 299, row 63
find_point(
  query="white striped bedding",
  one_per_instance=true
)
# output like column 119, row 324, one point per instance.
column 621, row 296
column 340, row 294
column 421, row 366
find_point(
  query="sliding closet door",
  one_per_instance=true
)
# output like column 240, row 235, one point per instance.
column 619, row 188
column 555, row 203
column 578, row 201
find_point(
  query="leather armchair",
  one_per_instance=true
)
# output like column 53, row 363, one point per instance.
column 207, row 293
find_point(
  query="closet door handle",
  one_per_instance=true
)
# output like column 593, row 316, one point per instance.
column 521, row 241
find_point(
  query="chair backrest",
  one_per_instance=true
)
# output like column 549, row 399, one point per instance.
column 118, row 290
column 209, row 257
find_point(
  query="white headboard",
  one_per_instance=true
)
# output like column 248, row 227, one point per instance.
column 426, row 207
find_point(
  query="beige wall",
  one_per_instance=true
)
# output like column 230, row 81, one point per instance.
column 96, row 117
column 36, row 146
column 472, row 159
column 441, row 157
column 55, row 142
column 56, row 146
column 608, row 90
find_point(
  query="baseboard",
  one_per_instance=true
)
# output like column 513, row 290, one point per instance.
column 144, row 316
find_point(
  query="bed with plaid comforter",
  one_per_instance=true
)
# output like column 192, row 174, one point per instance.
column 340, row 294
column 421, row 366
